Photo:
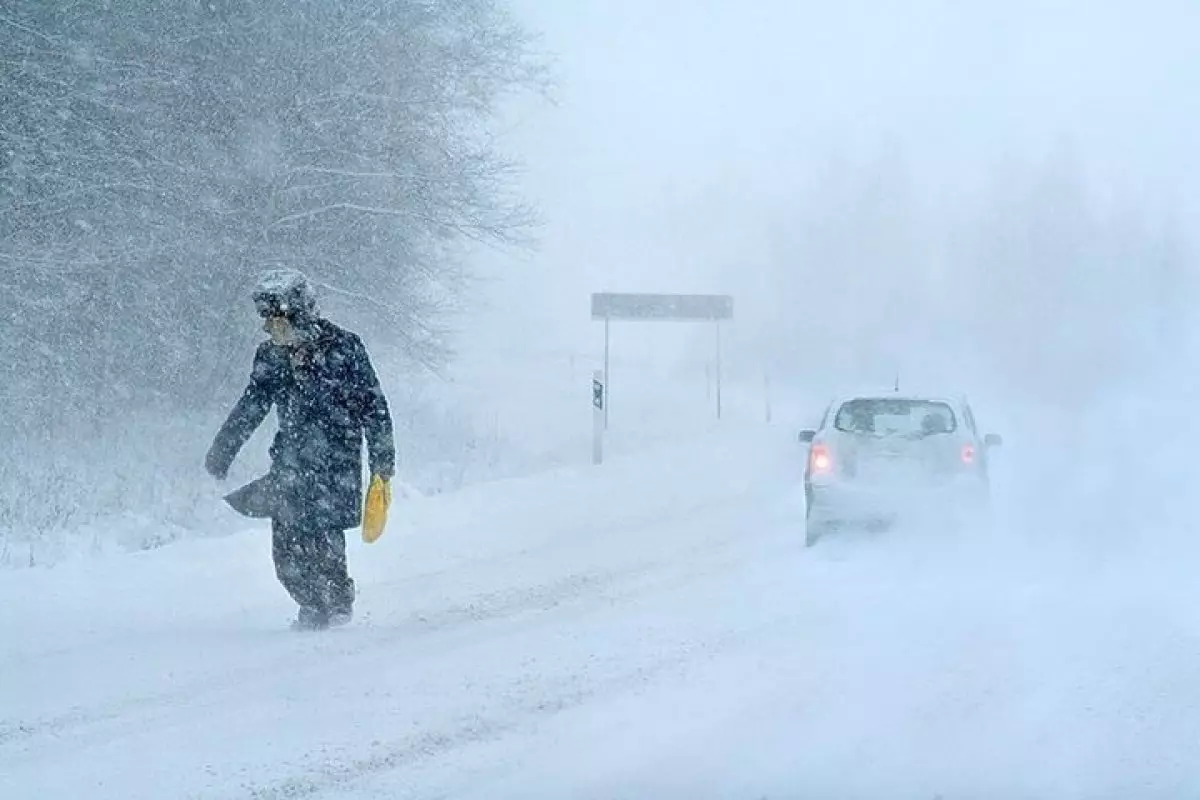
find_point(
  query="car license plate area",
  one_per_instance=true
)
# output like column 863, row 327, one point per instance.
column 901, row 469
column 888, row 468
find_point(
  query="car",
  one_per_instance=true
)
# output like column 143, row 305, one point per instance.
column 877, row 458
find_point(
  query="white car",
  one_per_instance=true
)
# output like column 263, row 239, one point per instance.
column 875, row 459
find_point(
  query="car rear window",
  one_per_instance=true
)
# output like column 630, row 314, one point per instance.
column 894, row 416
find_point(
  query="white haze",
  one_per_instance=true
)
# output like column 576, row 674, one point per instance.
column 992, row 198
column 998, row 199
column 687, row 135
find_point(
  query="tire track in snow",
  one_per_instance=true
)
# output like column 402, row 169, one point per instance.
column 24, row 741
column 482, row 608
column 512, row 718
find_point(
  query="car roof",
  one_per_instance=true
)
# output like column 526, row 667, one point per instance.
column 911, row 396
column 958, row 404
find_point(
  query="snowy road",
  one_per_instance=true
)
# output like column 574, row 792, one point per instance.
column 651, row 629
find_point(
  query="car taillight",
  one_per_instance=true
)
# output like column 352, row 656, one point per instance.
column 820, row 460
column 968, row 453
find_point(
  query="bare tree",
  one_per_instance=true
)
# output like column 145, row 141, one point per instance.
column 154, row 155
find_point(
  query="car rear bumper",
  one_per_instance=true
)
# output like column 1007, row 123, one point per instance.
column 851, row 503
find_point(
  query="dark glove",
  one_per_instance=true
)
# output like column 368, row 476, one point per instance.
column 217, row 466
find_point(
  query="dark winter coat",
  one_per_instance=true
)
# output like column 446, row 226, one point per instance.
column 327, row 397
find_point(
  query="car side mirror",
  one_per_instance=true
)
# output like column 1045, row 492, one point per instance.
column 806, row 437
column 993, row 440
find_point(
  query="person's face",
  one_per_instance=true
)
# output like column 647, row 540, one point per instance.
column 281, row 329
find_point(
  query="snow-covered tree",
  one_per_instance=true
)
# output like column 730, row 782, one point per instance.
column 155, row 155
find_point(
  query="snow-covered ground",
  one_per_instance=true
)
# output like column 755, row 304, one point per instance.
column 652, row 628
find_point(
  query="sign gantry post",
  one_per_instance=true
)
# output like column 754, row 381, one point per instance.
column 598, row 404
column 606, row 349
column 718, row 327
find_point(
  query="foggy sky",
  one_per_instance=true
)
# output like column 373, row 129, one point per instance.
column 679, row 125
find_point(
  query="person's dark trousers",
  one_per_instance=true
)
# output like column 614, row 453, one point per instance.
column 311, row 565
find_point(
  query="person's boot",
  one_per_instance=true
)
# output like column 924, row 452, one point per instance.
column 342, row 592
column 310, row 619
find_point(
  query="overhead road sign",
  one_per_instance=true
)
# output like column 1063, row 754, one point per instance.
column 660, row 307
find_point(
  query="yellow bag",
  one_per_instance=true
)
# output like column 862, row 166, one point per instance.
column 379, row 499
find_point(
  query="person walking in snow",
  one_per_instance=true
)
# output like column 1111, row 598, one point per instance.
column 327, row 398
